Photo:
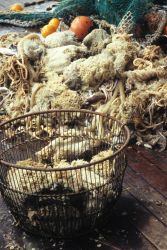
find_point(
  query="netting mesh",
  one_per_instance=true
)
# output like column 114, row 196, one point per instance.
column 114, row 10
column 110, row 10
column 126, row 22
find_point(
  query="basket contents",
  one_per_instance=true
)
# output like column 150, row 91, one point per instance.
column 30, row 182
column 65, row 175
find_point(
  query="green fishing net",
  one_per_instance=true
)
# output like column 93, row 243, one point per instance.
column 124, row 13
column 112, row 11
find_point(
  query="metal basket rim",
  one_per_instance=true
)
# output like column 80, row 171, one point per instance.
column 67, row 168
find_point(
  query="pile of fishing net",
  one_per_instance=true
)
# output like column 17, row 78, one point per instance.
column 108, row 72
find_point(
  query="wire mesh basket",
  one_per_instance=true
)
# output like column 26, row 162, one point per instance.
column 61, row 169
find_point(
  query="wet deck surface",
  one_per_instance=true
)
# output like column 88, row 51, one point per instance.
column 139, row 220
column 4, row 4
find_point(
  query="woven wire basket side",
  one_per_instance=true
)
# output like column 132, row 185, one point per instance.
column 60, row 170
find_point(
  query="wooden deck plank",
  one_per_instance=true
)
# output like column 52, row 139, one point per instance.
column 148, row 225
column 123, row 225
column 146, row 195
column 148, row 171
column 159, row 159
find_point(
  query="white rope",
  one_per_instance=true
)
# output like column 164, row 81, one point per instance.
column 126, row 23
